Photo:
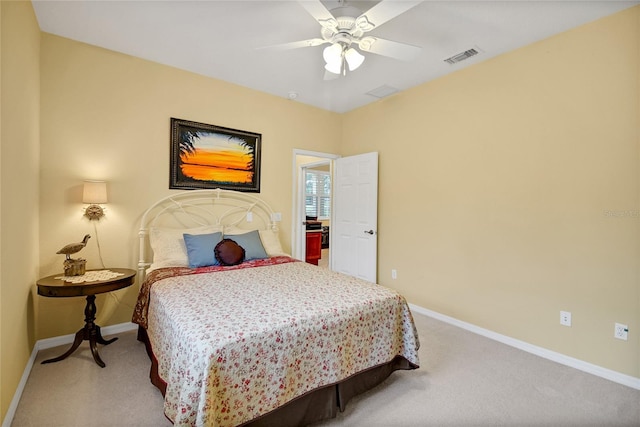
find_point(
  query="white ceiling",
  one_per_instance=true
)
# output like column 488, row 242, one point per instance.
column 219, row 39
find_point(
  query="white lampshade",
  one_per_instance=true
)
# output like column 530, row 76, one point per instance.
column 332, row 54
column 334, row 68
column 354, row 58
column 94, row 192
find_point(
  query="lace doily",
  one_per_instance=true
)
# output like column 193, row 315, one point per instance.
column 91, row 276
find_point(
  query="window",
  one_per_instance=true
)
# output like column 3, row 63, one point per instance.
column 318, row 194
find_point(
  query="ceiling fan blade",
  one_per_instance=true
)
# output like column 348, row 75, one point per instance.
column 384, row 11
column 384, row 47
column 295, row 45
column 320, row 13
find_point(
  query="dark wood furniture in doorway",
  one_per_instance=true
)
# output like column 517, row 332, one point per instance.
column 314, row 247
column 52, row 287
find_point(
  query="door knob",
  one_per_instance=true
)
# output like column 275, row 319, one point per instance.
column 370, row 232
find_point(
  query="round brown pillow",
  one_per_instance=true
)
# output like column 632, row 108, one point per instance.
column 228, row 252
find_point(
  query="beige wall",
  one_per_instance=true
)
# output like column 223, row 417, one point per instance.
column 106, row 116
column 19, row 157
column 520, row 159
column 510, row 190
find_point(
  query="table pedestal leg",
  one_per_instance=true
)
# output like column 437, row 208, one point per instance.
column 90, row 332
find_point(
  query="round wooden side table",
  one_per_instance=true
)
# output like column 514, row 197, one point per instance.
column 56, row 288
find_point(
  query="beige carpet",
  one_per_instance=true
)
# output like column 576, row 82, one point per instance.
column 464, row 380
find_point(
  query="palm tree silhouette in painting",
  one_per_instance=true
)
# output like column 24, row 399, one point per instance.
column 251, row 152
column 187, row 142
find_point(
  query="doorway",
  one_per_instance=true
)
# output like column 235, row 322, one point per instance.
column 312, row 209
column 353, row 217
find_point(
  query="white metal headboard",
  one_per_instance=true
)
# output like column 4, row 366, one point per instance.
column 195, row 208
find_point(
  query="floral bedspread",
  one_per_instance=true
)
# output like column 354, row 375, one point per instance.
column 141, row 309
column 236, row 344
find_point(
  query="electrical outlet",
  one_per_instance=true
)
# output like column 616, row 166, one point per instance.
column 394, row 274
column 565, row 318
column 621, row 331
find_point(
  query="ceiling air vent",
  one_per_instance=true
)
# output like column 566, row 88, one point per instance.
column 462, row 56
column 383, row 91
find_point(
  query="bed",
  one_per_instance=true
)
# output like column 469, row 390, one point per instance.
column 240, row 333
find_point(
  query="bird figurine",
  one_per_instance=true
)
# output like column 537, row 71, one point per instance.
column 72, row 248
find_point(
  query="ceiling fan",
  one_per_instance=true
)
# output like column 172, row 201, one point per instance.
column 345, row 29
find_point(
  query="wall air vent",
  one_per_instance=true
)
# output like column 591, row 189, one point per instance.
column 462, row 56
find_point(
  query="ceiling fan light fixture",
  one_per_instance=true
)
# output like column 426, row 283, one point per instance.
column 354, row 58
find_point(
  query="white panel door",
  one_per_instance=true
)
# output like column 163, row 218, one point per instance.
column 354, row 237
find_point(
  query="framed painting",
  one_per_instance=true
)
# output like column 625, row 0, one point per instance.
column 209, row 156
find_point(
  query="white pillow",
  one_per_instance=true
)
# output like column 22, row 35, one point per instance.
column 270, row 239
column 168, row 245
column 271, row 243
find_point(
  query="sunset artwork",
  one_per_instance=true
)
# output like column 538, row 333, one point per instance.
column 208, row 156
column 218, row 157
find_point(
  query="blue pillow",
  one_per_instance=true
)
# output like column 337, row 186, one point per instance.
column 200, row 249
column 251, row 244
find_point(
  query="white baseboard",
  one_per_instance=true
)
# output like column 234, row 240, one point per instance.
column 581, row 365
column 50, row 343
column 68, row 339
